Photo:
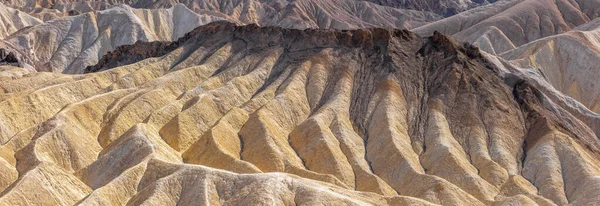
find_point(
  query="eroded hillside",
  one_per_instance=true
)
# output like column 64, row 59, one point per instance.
column 248, row 115
column 507, row 24
column 68, row 45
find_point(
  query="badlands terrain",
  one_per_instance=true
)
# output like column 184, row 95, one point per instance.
column 300, row 102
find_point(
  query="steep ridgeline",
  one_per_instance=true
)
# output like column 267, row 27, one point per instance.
column 69, row 44
column 245, row 115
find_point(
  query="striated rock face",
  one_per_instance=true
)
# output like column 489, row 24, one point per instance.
column 246, row 115
column 444, row 7
column 11, row 20
column 505, row 25
column 128, row 54
column 69, row 44
column 344, row 14
column 568, row 61
column 298, row 14
column 564, row 66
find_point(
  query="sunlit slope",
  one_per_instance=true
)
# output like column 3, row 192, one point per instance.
column 250, row 115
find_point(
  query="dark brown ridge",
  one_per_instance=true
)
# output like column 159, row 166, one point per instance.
column 427, row 69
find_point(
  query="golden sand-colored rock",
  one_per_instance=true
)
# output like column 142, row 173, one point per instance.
column 244, row 115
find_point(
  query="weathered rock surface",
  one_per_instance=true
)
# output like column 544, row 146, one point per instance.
column 300, row 14
column 343, row 14
column 68, row 45
column 505, row 25
column 443, row 7
column 568, row 61
column 8, row 58
column 11, row 20
column 249, row 115
column 71, row 43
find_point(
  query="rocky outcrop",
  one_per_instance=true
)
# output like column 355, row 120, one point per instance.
column 128, row 54
column 265, row 115
column 8, row 58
